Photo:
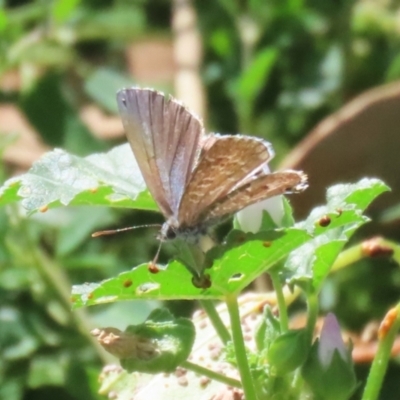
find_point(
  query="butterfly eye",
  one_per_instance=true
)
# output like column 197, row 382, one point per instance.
column 170, row 234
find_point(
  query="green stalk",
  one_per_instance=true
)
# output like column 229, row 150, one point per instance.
column 240, row 349
column 356, row 253
column 283, row 315
column 220, row 328
column 216, row 376
column 312, row 302
column 347, row 257
column 381, row 360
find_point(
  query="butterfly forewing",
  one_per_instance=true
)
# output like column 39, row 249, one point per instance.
column 227, row 162
column 164, row 137
column 260, row 188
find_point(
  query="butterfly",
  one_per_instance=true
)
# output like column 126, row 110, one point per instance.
column 196, row 179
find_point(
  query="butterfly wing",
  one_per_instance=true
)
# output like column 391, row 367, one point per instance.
column 164, row 137
column 225, row 163
column 259, row 188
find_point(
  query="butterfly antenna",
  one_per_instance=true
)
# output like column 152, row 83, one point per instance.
column 129, row 228
column 155, row 259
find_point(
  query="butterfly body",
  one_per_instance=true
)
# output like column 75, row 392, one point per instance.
column 197, row 180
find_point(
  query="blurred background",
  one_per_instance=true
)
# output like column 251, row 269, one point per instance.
column 318, row 79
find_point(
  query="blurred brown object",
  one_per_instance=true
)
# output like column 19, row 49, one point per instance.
column 10, row 81
column 151, row 60
column 188, row 57
column 28, row 147
column 362, row 139
column 100, row 124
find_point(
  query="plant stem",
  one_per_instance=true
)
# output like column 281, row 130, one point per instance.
column 240, row 350
column 216, row 321
column 379, row 365
column 356, row 253
column 283, row 316
column 216, row 376
column 347, row 257
column 312, row 302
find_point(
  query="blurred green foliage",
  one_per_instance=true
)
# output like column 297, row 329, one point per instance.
column 272, row 68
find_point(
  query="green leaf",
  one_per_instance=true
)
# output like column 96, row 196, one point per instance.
column 332, row 225
column 288, row 219
column 185, row 383
column 47, row 108
column 160, row 344
column 3, row 20
column 77, row 226
column 289, row 351
column 252, row 79
column 317, row 257
column 246, row 256
column 235, row 265
column 360, row 194
column 391, row 214
column 169, row 283
column 47, row 370
column 62, row 9
column 268, row 330
column 103, row 84
column 60, row 179
column 122, row 22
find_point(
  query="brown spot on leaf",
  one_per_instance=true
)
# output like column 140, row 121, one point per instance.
column 152, row 267
column 324, row 221
column 127, row 283
column 267, row 244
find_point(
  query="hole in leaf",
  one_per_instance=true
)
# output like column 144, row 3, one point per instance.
column 116, row 197
column 147, row 287
column 236, row 277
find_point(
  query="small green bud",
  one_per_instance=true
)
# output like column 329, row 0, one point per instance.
column 329, row 369
column 289, row 351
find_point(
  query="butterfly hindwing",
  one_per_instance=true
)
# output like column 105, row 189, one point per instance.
column 228, row 161
column 260, row 188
